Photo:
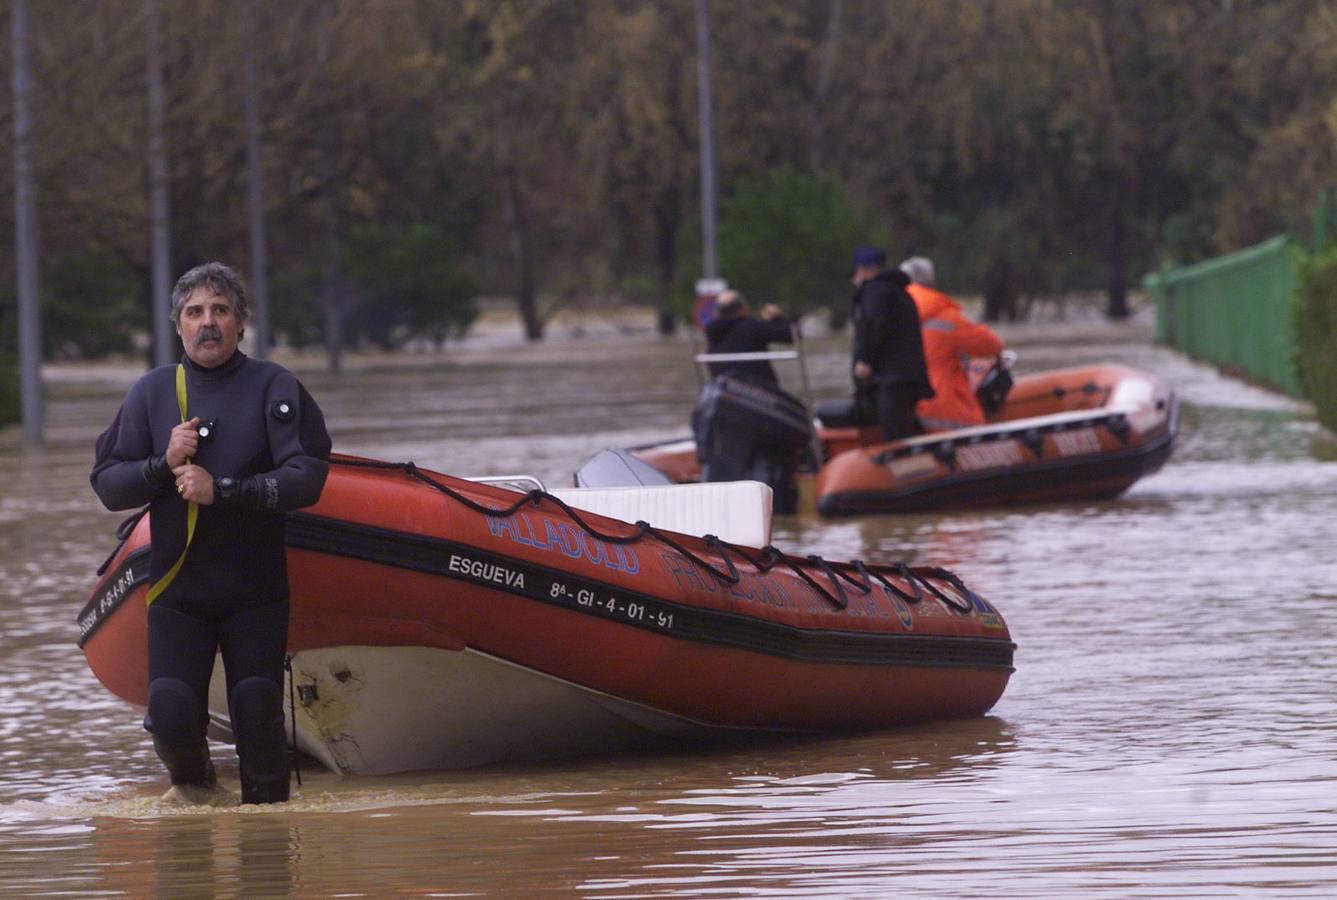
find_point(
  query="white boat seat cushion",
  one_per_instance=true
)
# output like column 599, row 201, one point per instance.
column 736, row 511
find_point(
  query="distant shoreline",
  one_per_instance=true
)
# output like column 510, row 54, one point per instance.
column 498, row 334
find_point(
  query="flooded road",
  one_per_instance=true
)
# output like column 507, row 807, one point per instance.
column 1171, row 728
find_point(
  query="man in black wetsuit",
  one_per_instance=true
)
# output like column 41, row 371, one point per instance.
column 888, row 366
column 220, row 447
column 732, row 447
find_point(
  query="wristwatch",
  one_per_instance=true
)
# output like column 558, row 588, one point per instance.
column 225, row 488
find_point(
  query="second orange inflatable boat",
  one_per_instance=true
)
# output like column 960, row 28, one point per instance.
column 1086, row 432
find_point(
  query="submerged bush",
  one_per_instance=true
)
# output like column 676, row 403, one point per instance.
column 1314, row 331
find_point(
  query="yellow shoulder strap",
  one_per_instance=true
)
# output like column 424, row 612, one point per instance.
column 192, row 510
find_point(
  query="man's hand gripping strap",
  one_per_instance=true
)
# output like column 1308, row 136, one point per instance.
column 192, row 510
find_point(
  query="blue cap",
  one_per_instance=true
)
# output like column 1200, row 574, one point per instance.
column 869, row 256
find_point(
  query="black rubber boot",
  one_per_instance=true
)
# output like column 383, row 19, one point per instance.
column 187, row 764
column 268, row 791
column 257, row 721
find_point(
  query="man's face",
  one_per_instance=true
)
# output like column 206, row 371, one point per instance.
column 209, row 328
column 862, row 274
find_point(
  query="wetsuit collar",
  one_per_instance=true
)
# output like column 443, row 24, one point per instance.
column 217, row 373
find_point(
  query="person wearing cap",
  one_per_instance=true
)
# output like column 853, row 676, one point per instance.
column 733, row 330
column 951, row 339
column 888, row 349
column 731, row 448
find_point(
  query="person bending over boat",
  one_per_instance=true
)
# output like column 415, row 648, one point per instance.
column 737, row 436
column 951, row 339
column 889, row 370
column 733, row 330
column 220, row 447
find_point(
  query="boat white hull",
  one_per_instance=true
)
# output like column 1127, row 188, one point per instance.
column 377, row 710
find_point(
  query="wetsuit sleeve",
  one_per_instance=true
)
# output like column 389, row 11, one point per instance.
column 300, row 447
column 126, row 471
column 777, row 331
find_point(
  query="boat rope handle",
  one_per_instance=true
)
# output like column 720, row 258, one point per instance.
column 192, row 508
column 913, row 579
column 714, row 542
column 122, row 535
column 292, row 705
column 905, row 572
column 843, row 602
column 961, row 606
column 864, row 582
column 772, row 554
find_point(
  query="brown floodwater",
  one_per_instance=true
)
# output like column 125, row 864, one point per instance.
column 1171, row 728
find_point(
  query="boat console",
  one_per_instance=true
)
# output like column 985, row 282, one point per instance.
column 735, row 511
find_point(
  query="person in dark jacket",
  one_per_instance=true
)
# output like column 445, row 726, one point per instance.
column 220, row 448
column 737, row 434
column 733, row 330
column 888, row 352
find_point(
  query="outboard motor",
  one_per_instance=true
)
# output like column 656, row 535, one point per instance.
column 779, row 419
column 750, row 431
column 993, row 388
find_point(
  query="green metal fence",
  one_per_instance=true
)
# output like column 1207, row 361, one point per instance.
column 1232, row 311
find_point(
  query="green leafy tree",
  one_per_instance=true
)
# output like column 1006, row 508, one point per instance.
column 786, row 238
column 409, row 283
column 295, row 307
column 1314, row 331
column 93, row 305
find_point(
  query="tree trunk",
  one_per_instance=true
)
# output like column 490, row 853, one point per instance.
column 525, row 294
column 667, row 219
column 1117, row 260
column 823, row 88
column 329, row 282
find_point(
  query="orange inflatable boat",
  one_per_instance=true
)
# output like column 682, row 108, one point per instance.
column 1080, row 433
column 438, row 622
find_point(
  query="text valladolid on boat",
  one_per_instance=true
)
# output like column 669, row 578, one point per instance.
column 438, row 622
column 1087, row 432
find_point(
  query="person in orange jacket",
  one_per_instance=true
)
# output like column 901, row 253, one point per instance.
column 950, row 340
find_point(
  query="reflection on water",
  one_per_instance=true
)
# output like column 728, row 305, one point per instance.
column 1171, row 727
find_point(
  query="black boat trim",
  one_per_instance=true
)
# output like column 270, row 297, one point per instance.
column 473, row 565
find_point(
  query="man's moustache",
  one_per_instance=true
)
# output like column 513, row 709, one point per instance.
column 208, row 333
